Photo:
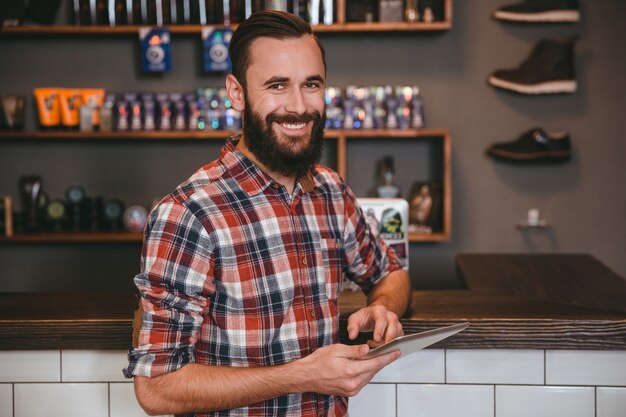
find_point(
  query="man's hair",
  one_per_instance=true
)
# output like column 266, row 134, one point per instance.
column 267, row 23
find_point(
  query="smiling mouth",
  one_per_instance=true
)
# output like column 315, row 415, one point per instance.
column 293, row 126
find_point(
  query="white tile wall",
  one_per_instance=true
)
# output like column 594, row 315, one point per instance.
column 426, row 366
column 611, row 402
column 93, row 365
column 374, row 400
column 494, row 366
column 430, row 383
column 445, row 400
column 123, row 402
column 30, row 366
column 61, row 400
column 537, row 401
column 6, row 400
column 575, row 367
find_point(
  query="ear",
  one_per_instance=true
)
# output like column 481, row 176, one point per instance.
column 235, row 92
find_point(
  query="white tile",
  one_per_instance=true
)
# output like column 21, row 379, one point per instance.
column 93, row 365
column 611, row 402
column 576, row 367
column 61, row 400
column 494, row 366
column 374, row 400
column 445, row 400
column 425, row 366
column 123, row 401
column 30, row 366
column 519, row 401
column 6, row 400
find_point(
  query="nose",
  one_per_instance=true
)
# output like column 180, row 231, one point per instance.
column 295, row 102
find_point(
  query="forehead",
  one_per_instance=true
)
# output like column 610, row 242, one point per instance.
column 290, row 58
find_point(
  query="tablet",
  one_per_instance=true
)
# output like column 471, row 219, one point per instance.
column 416, row 341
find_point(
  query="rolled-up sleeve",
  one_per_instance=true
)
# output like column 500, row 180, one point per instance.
column 175, row 285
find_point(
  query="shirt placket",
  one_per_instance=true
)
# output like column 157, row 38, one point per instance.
column 306, row 279
column 307, row 273
column 307, row 267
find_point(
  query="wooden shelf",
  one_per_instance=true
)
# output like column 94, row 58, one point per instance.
column 112, row 237
column 139, row 135
column 443, row 135
column 197, row 29
column 205, row 134
column 340, row 26
column 341, row 136
column 74, row 237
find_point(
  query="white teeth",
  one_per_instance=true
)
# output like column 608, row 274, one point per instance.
column 293, row 126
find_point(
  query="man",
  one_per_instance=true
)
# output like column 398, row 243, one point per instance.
column 242, row 264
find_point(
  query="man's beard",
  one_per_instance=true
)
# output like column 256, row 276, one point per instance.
column 278, row 157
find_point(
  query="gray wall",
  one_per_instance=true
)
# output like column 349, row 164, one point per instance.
column 584, row 200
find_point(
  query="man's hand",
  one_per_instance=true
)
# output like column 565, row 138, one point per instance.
column 384, row 323
column 338, row 369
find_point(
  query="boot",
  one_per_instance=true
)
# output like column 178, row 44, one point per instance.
column 549, row 69
column 553, row 11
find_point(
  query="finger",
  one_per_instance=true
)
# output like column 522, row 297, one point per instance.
column 357, row 323
column 387, row 358
column 380, row 327
column 394, row 329
column 374, row 344
column 378, row 362
column 353, row 327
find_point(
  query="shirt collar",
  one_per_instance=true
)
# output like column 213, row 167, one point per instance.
column 252, row 179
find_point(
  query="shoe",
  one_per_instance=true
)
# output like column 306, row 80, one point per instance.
column 552, row 11
column 536, row 144
column 548, row 70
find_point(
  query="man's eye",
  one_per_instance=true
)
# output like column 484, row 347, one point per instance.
column 312, row 85
column 276, row 86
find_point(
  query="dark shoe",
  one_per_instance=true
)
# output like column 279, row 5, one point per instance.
column 554, row 11
column 534, row 145
column 549, row 69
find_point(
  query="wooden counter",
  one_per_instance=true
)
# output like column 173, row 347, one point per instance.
column 512, row 301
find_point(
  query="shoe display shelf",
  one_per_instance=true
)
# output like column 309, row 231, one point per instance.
column 341, row 25
column 428, row 149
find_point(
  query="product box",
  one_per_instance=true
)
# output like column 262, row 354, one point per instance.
column 215, row 44
column 391, row 11
column 6, row 216
column 155, row 49
column 389, row 219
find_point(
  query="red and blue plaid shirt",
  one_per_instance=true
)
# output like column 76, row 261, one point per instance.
column 237, row 272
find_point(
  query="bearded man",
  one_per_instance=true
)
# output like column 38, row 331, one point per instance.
column 242, row 263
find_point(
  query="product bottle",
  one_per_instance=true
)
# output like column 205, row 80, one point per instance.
column 388, row 187
column 30, row 189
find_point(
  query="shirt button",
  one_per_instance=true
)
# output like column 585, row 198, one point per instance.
column 304, row 262
column 275, row 185
column 312, row 314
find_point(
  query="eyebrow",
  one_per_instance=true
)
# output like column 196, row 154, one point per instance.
column 278, row 79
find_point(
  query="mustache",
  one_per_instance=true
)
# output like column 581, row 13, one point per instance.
column 292, row 118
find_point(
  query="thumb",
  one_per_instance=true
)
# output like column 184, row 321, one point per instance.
column 356, row 351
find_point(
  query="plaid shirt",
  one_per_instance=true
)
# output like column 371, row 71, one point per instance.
column 237, row 272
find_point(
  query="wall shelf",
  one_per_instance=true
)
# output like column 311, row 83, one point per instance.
column 341, row 137
column 340, row 26
column 197, row 29
column 74, row 237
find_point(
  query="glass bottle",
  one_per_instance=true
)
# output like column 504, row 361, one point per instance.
column 388, row 187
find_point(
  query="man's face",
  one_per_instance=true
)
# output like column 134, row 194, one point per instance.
column 284, row 112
